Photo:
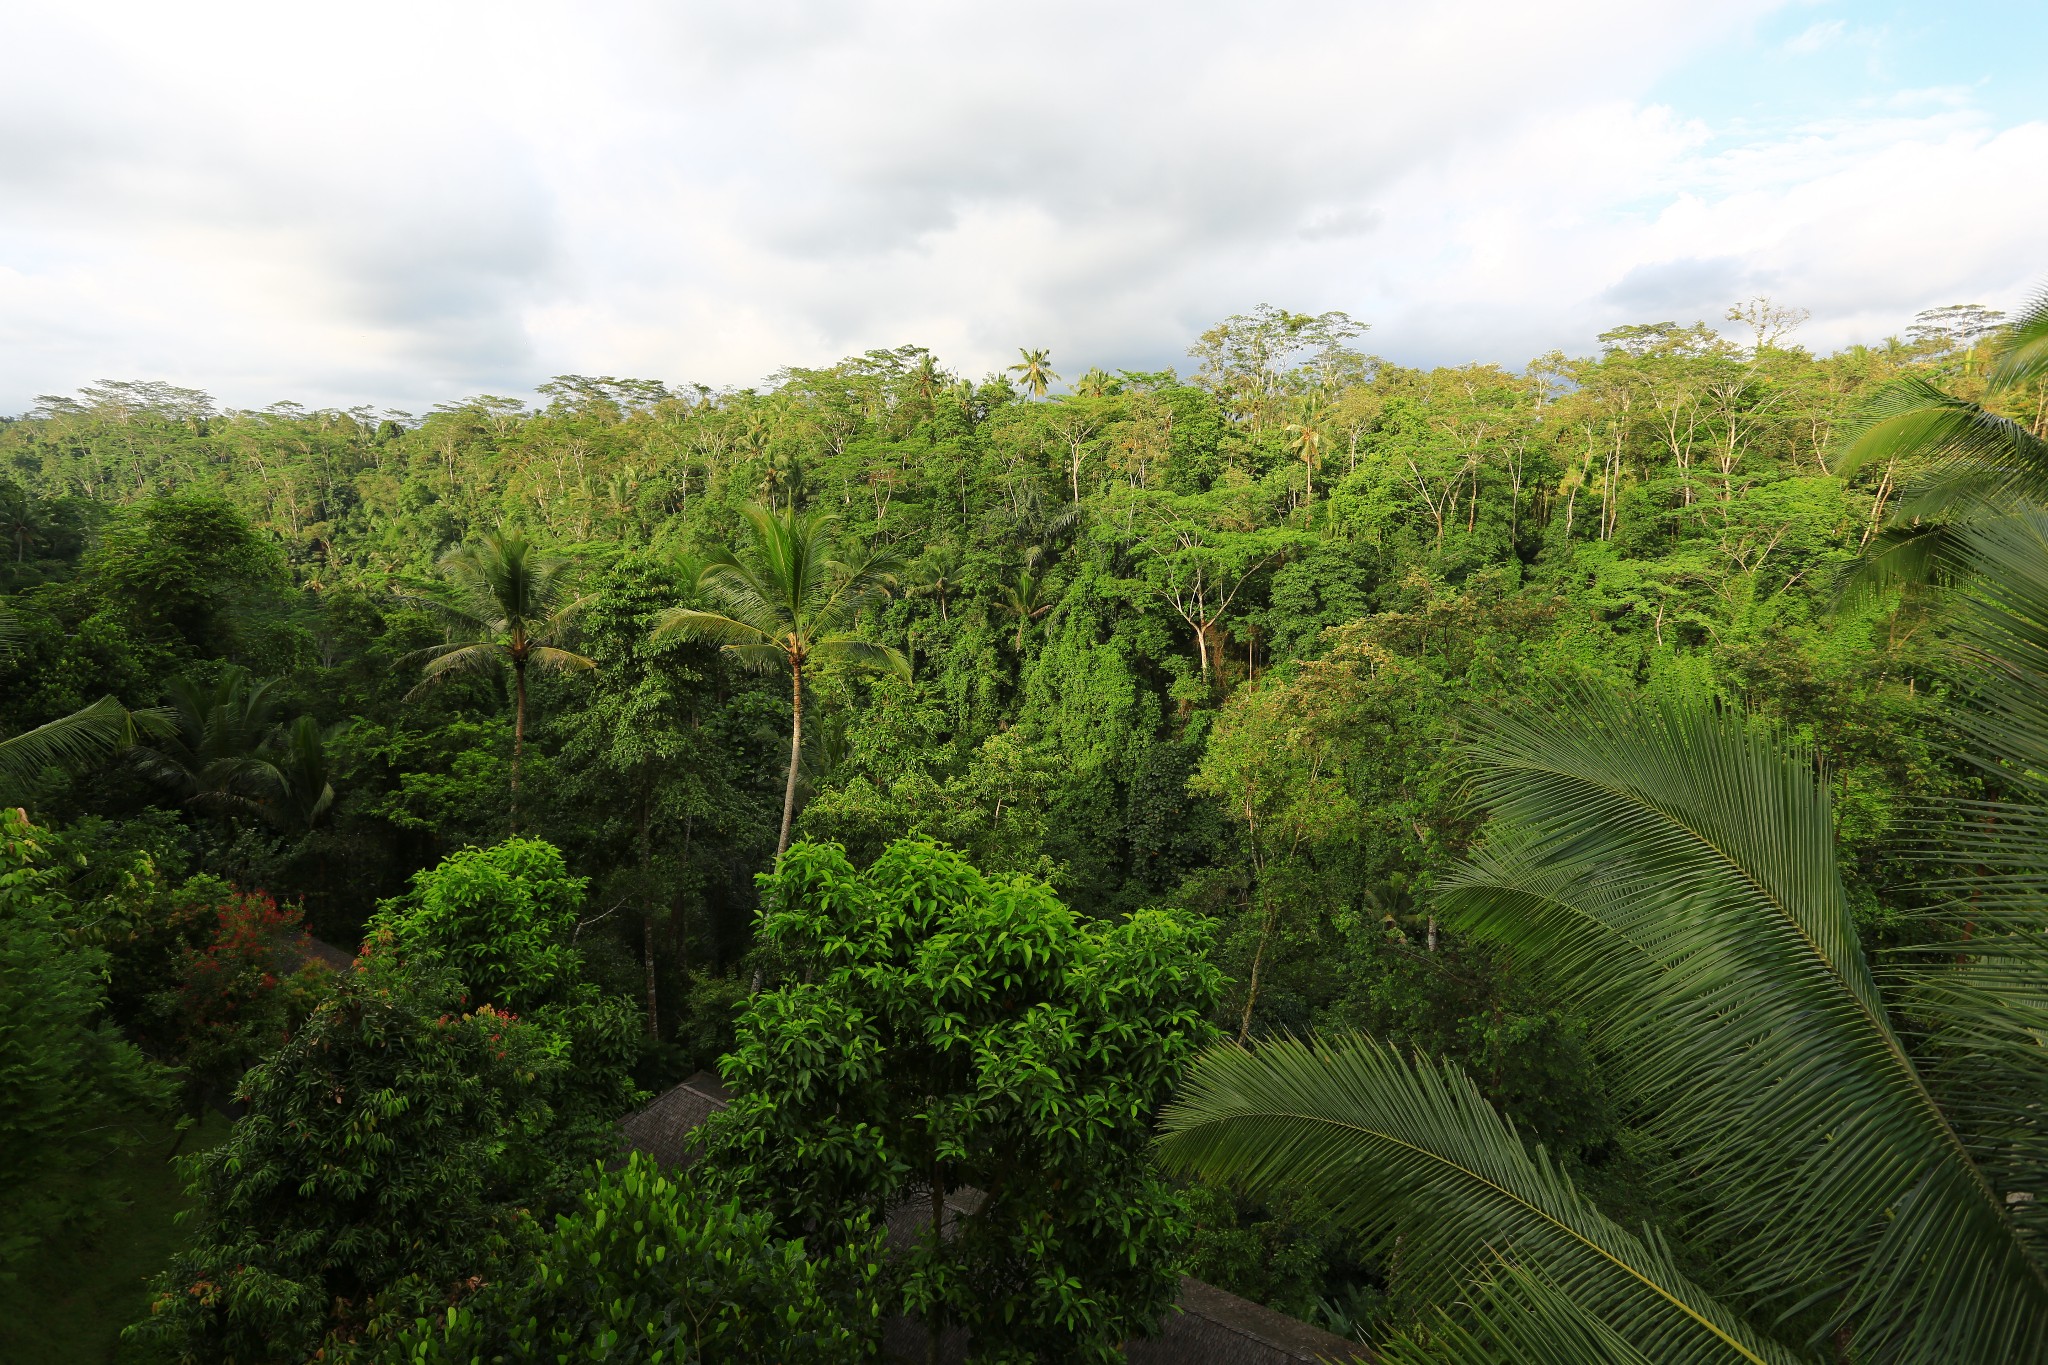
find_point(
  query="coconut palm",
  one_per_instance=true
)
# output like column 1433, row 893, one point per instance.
column 508, row 604
column 1305, row 440
column 1976, row 459
column 1026, row 600
column 786, row 601
column 223, row 747
column 1034, row 370
column 1868, row 1189
column 936, row 575
column 1097, row 383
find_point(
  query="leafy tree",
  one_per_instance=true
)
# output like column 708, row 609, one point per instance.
column 391, row 1151
column 509, row 604
column 185, row 567
column 1674, row 870
column 501, row 921
column 788, row 602
column 69, row 743
column 943, row 1030
column 68, row 1081
column 647, row 1269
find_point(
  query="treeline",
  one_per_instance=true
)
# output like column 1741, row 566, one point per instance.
column 1204, row 641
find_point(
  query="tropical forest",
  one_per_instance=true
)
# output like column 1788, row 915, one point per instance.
column 1473, row 864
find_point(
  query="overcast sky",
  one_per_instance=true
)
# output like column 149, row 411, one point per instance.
column 400, row 204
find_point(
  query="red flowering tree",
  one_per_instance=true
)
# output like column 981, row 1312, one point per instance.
column 238, row 997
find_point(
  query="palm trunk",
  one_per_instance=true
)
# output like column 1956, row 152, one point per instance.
column 647, row 918
column 796, row 748
column 518, row 731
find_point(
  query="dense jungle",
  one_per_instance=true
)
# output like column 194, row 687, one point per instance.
column 1499, row 864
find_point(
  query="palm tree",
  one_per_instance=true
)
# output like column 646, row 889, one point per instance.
column 509, row 603
column 1035, row 370
column 1978, row 460
column 1673, row 870
column 786, row 601
column 1305, row 439
column 223, row 748
column 1096, row 383
column 936, row 576
column 1026, row 600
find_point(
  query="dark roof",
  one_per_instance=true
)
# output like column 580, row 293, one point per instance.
column 666, row 1128
column 1207, row 1326
column 309, row 949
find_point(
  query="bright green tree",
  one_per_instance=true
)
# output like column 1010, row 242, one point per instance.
column 786, row 601
column 509, row 603
column 943, row 1033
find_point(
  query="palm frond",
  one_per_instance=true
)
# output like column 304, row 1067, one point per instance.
column 559, row 660
column 707, row 627
column 1972, row 458
column 854, row 652
column 1673, row 867
column 2023, row 350
column 456, row 619
column 449, row 661
column 1393, row 1146
column 71, row 743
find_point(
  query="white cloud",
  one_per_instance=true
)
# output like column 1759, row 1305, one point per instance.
column 1817, row 37
column 398, row 203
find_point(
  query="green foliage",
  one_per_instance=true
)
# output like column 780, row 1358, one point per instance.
column 68, row 1081
column 390, row 1152
column 943, row 1030
column 1132, row 606
column 185, row 568
column 649, row 1270
column 500, row 918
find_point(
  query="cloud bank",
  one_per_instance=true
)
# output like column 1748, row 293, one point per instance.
column 397, row 204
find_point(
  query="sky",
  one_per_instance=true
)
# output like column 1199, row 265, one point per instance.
column 399, row 204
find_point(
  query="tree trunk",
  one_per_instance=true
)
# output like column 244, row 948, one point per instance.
column 796, row 748
column 933, row 1321
column 1251, row 994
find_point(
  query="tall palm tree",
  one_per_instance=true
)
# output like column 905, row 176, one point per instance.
column 1978, row 459
column 1868, row 1188
column 508, row 604
column 786, row 601
column 1305, row 439
column 1035, row 370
